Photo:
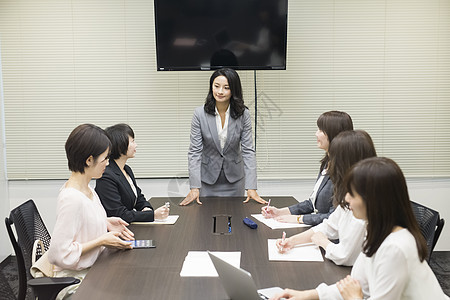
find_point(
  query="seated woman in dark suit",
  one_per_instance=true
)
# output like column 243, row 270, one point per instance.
column 319, row 206
column 117, row 188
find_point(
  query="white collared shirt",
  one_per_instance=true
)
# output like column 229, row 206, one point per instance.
column 133, row 188
column 222, row 132
column 316, row 189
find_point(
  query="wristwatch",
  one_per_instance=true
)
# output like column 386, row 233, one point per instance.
column 299, row 218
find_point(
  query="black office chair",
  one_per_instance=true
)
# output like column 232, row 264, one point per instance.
column 430, row 224
column 29, row 228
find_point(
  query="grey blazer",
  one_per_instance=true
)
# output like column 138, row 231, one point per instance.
column 206, row 158
column 323, row 204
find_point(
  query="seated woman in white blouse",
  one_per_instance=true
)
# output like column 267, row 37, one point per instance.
column 82, row 229
column 345, row 150
column 392, row 265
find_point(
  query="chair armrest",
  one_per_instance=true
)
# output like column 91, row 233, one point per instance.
column 44, row 281
column 49, row 287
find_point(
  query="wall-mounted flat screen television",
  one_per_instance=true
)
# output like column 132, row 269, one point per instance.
column 211, row 34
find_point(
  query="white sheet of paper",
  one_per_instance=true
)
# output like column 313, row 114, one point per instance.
column 199, row 264
column 270, row 292
column 274, row 224
column 304, row 252
column 169, row 221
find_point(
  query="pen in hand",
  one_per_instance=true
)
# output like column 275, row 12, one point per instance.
column 283, row 237
column 265, row 212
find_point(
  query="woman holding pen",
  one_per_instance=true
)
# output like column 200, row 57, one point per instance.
column 346, row 149
column 392, row 265
column 117, row 188
column 319, row 206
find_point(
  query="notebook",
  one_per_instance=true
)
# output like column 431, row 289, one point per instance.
column 238, row 283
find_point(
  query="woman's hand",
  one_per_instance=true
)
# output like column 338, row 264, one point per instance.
column 284, row 245
column 350, row 288
column 194, row 194
column 252, row 194
column 296, row 295
column 269, row 212
column 120, row 226
column 112, row 240
column 162, row 213
column 287, row 219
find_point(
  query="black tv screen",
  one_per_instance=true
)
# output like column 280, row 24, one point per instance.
column 211, row 34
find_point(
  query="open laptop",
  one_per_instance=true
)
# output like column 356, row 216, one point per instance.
column 238, row 283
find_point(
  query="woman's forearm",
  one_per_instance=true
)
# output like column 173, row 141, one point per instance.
column 302, row 238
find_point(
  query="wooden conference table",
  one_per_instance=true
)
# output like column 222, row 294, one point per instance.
column 155, row 273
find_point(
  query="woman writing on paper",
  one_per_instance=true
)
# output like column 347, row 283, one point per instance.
column 320, row 204
column 82, row 229
column 221, row 156
column 117, row 188
column 392, row 265
column 346, row 149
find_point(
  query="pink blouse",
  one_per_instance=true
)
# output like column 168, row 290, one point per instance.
column 79, row 220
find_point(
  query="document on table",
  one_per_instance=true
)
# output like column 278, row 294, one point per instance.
column 274, row 224
column 303, row 252
column 199, row 264
column 169, row 221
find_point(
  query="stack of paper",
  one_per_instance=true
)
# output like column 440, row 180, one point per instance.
column 198, row 263
column 169, row 221
column 274, row 224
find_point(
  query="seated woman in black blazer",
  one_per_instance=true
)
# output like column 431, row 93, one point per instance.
column 117, row 189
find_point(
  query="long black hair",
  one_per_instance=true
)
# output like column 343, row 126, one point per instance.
column 237, row 106
column 382, row 186
column 332, row 123
column 346, row 149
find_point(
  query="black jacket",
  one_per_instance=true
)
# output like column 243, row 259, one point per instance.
column 118, row 198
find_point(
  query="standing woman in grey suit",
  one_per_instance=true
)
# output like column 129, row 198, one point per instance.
column 221, row 156
column 319, row 206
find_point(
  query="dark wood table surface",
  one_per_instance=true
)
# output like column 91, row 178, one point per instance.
column 155, row 273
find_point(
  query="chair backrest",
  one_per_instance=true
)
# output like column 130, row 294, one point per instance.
column 430, row 224
column 29, row 227
column 439, row 228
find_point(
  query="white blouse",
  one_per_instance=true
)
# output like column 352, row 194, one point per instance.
column 394, row 272
column 313, row 196
column 350, row 231
column 79, row 220
column 222, row 132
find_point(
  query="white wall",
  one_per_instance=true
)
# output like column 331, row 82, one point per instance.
column 430, row 192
